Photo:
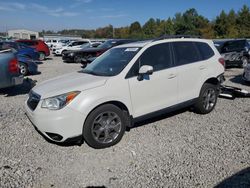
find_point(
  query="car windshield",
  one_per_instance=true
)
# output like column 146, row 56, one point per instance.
column 112, row 62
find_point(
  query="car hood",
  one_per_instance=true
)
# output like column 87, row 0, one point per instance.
column 76, row 81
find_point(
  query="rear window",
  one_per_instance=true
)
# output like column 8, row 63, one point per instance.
column 186, row 53
column 205, row 50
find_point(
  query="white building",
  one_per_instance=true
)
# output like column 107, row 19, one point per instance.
column 23, row 34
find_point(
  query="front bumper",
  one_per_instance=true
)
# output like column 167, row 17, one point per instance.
column 58, row 125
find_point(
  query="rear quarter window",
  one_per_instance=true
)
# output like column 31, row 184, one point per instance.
column 186, row 53
column 205, row 50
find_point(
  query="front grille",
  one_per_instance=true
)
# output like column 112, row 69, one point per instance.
column 33, row 100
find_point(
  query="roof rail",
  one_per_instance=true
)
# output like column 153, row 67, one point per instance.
column 176, row 36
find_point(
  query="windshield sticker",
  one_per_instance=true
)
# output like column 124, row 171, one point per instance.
column 131, row 49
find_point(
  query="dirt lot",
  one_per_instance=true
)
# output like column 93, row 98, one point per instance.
column 182, row 149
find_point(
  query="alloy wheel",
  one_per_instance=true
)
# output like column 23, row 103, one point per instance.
column 209, row 99
column 106, row 127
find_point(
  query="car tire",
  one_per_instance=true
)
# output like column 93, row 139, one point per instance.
column 77, row 59
column 244, row 61
column 63, row 52
column 23, row 69
column 207, row 99
column 105, row 126
column 42, row 56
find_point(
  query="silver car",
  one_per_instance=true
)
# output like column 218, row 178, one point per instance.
column 9, row 69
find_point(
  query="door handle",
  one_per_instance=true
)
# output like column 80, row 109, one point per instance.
column 202, row 67
column 171, row 76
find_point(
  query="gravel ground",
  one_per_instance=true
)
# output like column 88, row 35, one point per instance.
column 182, row 149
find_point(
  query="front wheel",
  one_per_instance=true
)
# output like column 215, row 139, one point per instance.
column 77, row 59
column 104, row 127
column 207, row 99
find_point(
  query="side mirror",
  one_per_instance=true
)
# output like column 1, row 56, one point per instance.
column 145, row 70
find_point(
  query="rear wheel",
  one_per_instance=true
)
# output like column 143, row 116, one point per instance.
column 41, row 56
column 77, row 59
column 104, row 127
column 207, row 99
column 23, row 69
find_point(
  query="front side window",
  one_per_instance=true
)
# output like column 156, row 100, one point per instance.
column 185, row 53
column 112, row 62
column 158, row 56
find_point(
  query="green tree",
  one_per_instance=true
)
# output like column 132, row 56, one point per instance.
column 135, row 30
column 221, row 25
column 149, row 28
column 243, row 22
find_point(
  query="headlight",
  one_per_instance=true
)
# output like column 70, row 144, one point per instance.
column 58, row 102
column 71, row 54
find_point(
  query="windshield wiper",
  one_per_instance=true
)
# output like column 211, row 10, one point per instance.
column 95, row 73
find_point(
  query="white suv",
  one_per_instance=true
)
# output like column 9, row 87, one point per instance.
column 126, row 84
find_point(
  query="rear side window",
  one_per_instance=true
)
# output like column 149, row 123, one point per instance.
column 234, row 45
column 185, row 53
column 82, row 42
column 205, row 50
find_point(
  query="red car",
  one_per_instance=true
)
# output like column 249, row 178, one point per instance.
column 39, row 45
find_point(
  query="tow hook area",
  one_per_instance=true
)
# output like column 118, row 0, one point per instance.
column 230, row 92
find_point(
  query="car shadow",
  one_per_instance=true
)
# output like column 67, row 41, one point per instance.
column 240, row 180
column 238, row 80
column 149, row 119
column 39, row 62
column 24, row 88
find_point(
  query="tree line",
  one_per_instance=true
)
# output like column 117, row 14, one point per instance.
column 226, row 25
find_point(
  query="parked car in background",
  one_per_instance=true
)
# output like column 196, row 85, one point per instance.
column 64, row 49
column 80, row 56
column 74, row 45
column 27, row 65
column 128, row 83
column 9, row 69
column 236, row 52
column 60, row 44
column 51, row 42
column 21, row 49
column 246, row 74
column 39, row 45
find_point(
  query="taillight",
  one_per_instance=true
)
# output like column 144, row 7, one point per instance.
column 98, row 54
column 13, row 66
column 222, row 61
